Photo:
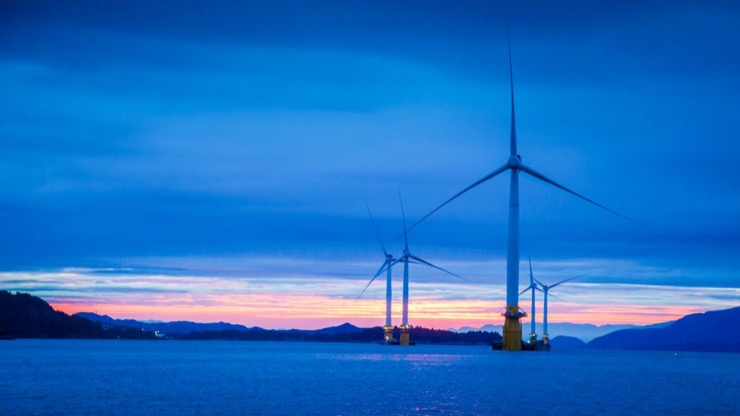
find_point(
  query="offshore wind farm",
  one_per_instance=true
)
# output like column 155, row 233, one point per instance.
column 181, row 204
column 533, row 288
column 405, row 258
column 512, row 331
column 215, row 173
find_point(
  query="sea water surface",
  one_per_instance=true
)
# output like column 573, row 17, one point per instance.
column 117, row 377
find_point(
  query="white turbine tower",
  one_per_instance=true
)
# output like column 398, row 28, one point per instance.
column 407, row 258
column 512, row 326
column 546, row 290
column 386, row 266
column 533, row 287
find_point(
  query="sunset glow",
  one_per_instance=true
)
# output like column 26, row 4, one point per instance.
column 312, row 303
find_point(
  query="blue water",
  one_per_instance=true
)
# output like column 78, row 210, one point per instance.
column 113, row 377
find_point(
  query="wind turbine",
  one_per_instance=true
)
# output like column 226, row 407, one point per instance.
column 546, row 290
column 533, row 287
column 386, row 266
column 407, row 258
column 512, row 327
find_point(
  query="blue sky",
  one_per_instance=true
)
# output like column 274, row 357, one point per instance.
column 242, row 140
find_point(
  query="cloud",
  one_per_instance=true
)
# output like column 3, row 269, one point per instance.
column 255, row 136
column 257, row 296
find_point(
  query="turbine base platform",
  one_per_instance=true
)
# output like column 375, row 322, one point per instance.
column 388, row 334
column 405, row 339
column 513, row 328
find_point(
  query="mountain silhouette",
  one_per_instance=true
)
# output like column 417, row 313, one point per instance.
column 169, row 328
column 710, row 331
column 26, row 316
column 564, row 342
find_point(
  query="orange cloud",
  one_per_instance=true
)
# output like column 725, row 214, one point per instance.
column 315, row 302
column 311, row 312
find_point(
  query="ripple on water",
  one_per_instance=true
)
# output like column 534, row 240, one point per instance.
column 87, row 377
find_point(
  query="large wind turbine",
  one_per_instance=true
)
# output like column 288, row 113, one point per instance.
column 512, row 326
column 546, row 290
column 386, row 266
column 407, row 258
column 533, row 287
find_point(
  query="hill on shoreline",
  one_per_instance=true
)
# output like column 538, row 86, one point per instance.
column 25, row 316
column 716, row 331
column 170, row 328
column 345, row 332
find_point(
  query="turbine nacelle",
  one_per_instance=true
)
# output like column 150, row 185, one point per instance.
column 514, row 161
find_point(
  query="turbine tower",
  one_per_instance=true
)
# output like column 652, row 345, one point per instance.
column 512, row 325
column 407, row 258
column 386, row 266
column 546, row 290
column 533, row 287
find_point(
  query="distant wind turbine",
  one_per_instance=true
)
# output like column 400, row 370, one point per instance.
column 512, row 326
column 546, row 290
column 386, row 266
column 407, row 258
column 533, row 287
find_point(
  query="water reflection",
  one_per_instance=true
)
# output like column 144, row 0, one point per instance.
column 413, row 359
column 320, row 379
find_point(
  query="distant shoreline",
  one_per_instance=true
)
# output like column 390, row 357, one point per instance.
column 24, row 316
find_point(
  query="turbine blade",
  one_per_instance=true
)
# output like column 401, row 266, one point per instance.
column 397, row 260
column 562, row 281
column 375, row 228
column 553, row 183
column 531, row 276
column 556, row 297
column 405, row 230
column 420, row 260
column 478, row 182
column 380, row 271
column 524, row 291
column 511, row 82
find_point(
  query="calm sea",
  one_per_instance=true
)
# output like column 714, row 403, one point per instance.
column 91, row 377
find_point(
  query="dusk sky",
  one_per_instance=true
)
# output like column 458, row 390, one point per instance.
column 211, row 161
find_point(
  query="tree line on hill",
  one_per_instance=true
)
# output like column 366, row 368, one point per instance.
column 25, row 316
column 420, row 335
